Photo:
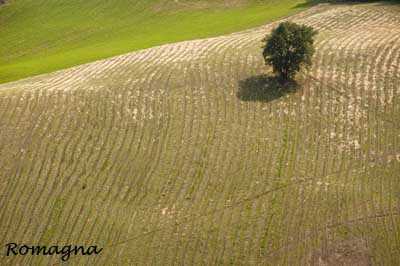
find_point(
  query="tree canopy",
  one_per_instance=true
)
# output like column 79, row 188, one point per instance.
column 288, row 48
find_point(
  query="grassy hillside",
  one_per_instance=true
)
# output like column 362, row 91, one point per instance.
column 42, row 36
column 197, row 159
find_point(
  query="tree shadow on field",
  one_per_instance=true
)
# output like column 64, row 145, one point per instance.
column 309, row 3
column 263, row 88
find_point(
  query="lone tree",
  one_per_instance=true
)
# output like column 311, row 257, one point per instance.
column 288, row 48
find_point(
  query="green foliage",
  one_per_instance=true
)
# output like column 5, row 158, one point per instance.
column 288, row 48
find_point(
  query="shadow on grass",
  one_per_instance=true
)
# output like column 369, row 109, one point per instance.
column 263, row 88
column 311, row 3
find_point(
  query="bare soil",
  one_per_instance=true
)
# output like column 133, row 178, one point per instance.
column 353, row 252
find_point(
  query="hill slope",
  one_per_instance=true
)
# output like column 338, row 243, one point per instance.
column 172, row 156
column 42, row 36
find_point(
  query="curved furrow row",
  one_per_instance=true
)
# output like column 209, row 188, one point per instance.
column 211, row 70
column 227, row 63
column 31, row 173
column 214, row 59
column 107, row 207
column 18, row 174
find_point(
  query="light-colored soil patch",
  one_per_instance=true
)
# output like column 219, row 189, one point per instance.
column 345, row 253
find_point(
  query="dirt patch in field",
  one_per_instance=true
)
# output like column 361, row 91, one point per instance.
column 172, row 6
column 344, row 253
column 2, row 2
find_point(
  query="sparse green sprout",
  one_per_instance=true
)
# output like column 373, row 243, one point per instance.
column 289, row 48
